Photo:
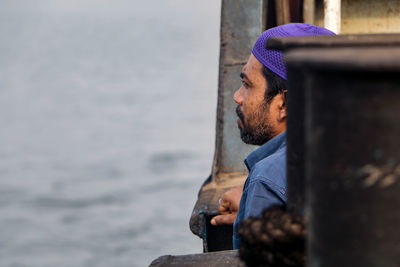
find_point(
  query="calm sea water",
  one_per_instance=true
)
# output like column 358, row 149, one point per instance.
column 107, row 110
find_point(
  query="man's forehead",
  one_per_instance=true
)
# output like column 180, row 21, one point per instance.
column 252, row 67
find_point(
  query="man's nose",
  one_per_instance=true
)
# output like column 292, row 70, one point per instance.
column 238, row 97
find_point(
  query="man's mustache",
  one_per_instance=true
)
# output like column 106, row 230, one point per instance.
column 239, row 113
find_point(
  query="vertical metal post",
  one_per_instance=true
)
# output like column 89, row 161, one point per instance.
column 309, row 11
column 332, row 15
column 282, row 11
column 353, row 154
column 241, row 24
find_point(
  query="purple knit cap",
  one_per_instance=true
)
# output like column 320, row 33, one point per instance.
column 273, row 59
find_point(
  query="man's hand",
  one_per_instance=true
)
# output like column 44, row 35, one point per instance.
column 228, row 206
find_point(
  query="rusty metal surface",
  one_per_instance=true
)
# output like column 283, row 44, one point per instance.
column 241, row 24
column 213, row 259
column 286, row 43
column 370, row 16
column 353, row 154
column 295, row 96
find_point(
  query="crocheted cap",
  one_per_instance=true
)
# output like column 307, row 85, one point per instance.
column 273, row 59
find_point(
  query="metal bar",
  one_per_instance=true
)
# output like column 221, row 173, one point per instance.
column 353, row 40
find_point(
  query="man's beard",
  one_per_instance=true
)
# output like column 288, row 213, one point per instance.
column 260, row 132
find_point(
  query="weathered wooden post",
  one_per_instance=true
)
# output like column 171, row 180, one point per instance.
column 352, row 126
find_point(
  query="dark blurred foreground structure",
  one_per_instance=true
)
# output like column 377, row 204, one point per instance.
column 342, row 136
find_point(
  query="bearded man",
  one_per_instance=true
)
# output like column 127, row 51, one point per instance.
column 262, row 121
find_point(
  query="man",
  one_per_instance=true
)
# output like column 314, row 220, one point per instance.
column 262, row 121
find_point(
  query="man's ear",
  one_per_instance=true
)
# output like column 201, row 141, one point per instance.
column 282, row 106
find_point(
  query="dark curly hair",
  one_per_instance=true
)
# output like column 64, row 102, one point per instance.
column 277, row 239
column 276, row 84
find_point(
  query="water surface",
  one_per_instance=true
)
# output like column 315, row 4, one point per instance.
column 107, row 111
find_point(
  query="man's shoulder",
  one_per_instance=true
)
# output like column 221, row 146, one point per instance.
column 271, row 169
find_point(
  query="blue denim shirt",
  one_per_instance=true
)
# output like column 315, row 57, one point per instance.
column 266, row 183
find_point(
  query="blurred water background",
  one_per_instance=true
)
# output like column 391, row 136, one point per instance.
column 107, row 112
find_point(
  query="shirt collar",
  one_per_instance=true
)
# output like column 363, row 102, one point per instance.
column 265, row 150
